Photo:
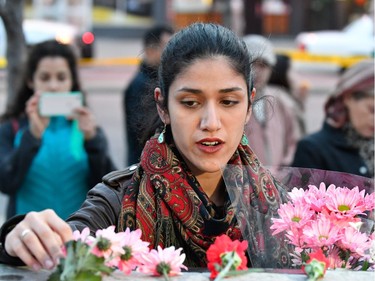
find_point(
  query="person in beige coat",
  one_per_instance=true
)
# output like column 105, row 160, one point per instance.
column 273, row 130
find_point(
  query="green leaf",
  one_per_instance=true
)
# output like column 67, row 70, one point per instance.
column 55, row 276
column 87, row 276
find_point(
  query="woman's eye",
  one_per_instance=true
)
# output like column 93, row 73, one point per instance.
column 44, row 78
column 190, row 103
column 229, row 102
column 62, row 77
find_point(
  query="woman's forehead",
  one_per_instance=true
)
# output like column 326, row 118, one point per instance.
column 223, row 62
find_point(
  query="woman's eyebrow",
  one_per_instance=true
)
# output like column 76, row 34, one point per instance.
column 232, row 89
column 197, row 91
column 190, row 90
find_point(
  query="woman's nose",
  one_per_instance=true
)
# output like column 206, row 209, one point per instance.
column 210, row 119
column 53, row 85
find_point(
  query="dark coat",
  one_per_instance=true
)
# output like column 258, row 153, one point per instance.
column 101, row 208
column 135, row 94
column 328, row 149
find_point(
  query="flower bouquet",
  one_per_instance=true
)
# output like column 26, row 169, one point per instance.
column 89, row 259
column 333, row 220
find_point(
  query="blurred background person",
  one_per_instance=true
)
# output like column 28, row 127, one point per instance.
column 154, row 41
column 49, row 162
column 281, row 76
column 273, row 130
column 345, row 143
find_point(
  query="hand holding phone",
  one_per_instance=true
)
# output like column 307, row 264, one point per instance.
column 59, row 104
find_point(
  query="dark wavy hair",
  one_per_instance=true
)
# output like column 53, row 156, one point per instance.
column 197, row 41
column 50, row 48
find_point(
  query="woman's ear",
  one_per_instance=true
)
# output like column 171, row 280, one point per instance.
column 159, row 99
column 250, row 110
column 252, row 95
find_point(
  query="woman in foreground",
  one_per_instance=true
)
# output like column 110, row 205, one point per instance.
column 177, row 194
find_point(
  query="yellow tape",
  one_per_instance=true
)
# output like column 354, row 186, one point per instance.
column 338, row 60
column 293, row 54
column 3, row 63
column 109, row 61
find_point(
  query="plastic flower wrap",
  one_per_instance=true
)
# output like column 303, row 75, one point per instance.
column 255, row 201
column 333, row 220
column 89, row 259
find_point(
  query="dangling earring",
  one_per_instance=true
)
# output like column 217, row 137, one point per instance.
column 244, row 140
column 161, row 136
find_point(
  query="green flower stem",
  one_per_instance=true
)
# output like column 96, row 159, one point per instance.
column 314, row 270
column 226, row 269
column 165, row 274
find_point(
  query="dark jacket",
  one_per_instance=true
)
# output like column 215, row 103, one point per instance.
column 101, row 209
column 328, row 149
column 15, row 163
column 140, row 87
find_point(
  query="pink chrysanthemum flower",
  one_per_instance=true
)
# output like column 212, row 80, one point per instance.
column 296, row 257
column 372, row 248
column 297, row 194
column 340, row 221
column 354, row 241
column 334, row 258
column 316, row 197
column 291, row 216
column 369, row 202
column 163, row 262
column 345, row 202
column 133, row 247
column 296, row 237
column 321, row 233
column 83, row 236
column 108, row 243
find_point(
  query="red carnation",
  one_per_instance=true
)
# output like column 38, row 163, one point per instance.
column 316, row 265
column 226, row 252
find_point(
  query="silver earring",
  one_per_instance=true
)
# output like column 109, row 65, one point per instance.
column 244, row 140
column 161, row 137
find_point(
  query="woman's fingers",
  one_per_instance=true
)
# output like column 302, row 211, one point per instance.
column 37, row 123
column 87, row 122
column 36, row 251
column 22, row 251
column 38, row 239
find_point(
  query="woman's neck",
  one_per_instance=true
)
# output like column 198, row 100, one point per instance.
column 213, row 186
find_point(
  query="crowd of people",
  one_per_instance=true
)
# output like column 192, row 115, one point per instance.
column 214, row 105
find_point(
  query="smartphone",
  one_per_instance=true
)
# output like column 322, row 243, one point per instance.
column 59, row 104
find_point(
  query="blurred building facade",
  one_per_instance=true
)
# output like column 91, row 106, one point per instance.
column 276, row 17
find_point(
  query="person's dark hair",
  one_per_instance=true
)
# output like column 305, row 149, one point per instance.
column 50, row 48
column 152, row 37
column 197, row 41
column 279, row 75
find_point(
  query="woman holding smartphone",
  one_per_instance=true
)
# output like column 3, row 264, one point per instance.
column 49, row 162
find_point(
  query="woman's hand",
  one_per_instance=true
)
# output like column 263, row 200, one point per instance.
column 37, row 123
column 38, row 239
column 86, row 122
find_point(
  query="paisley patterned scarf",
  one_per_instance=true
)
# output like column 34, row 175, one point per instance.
column 167, row 203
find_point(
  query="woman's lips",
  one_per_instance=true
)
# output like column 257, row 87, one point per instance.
column 210, row 146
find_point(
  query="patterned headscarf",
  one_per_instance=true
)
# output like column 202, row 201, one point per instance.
column 358, row 78
column 165, row 201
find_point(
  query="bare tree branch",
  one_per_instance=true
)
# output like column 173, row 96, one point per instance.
column 11, row 12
